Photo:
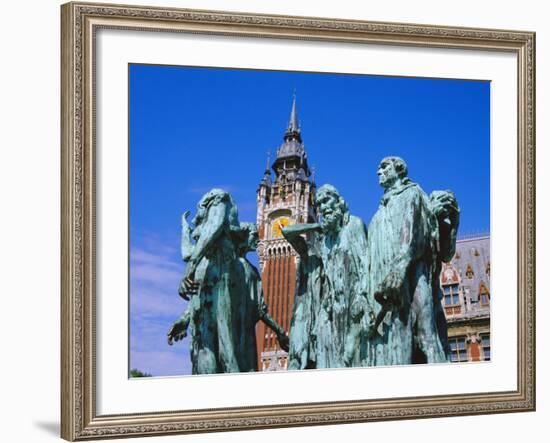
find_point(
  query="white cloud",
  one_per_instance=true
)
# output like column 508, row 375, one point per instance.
column 154, row 306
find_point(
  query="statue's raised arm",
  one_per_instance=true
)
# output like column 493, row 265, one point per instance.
column 211, row 207
column 446, row 210
column 186, row 243
column 211, row 278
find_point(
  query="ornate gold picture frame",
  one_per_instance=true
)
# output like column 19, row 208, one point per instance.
column 80, row 24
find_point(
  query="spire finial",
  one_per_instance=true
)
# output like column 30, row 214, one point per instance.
column 293, row 125
column 268, row 160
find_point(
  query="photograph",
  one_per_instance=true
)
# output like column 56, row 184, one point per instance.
column 274, row 220
column 286, row 220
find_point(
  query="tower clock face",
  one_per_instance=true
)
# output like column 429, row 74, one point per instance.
column 275, row 229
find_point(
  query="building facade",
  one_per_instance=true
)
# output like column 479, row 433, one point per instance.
column 466, row 285
column 284, row 197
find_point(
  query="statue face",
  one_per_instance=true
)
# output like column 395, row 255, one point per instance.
column 387, row 175
column 329, row 208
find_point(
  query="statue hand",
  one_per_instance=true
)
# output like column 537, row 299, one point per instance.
column 188, row 287
column 370, row 324
column 444, row 204
column 389, row 291
column 283, row 340
column 178, row 331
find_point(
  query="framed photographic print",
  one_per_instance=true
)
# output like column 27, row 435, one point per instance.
column 280, row 221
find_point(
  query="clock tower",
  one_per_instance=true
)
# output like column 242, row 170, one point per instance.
column 285, row 196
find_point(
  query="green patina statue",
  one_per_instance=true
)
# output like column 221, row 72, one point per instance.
column 210, row 284
column 409, row 236
column 361, row 300
column 251, row 307
column 223, row 289
column 332, row 299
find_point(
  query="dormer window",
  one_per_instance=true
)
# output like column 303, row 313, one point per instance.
column 451, row 295
column 469, row 272
column 484, row 296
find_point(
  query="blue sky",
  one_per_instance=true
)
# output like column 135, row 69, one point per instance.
column 192, row 129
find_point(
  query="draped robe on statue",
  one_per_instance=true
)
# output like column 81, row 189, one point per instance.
column 331, row 279
column 309, row 271
column 345, row 284
column 218, row 274
column 403, row 235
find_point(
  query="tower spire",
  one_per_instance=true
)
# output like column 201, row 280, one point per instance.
column 268, row 163
column 293, row 129
column 293, row 121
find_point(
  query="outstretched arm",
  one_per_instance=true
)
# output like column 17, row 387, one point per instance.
column 282, row 338
column 263, row 314
column 293, row 234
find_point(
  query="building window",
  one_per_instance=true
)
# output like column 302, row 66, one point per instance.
column 469, row 272
column 451, row 295
column 484, row 296
column 457, row 346
column 486, row 345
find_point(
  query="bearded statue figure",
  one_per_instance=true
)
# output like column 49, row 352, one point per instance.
column 409, row 236
column 332, row 300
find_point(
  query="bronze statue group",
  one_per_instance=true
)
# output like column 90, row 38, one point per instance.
column 364, row 297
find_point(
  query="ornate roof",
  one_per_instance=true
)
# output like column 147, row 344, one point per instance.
column 291, row 161
column 471, row 266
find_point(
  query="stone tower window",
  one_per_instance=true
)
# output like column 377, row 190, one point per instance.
column 469, row 272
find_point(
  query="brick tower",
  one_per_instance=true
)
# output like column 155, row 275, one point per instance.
column 284, row 199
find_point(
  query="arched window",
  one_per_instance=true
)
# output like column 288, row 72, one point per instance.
column 469, row 272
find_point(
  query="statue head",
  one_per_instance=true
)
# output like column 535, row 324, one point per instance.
column 213, row 198
column 333, row 208
column 391, row 171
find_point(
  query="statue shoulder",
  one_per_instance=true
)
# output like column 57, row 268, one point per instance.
column 414, row 192
column 356, row 223
column 355, row 231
